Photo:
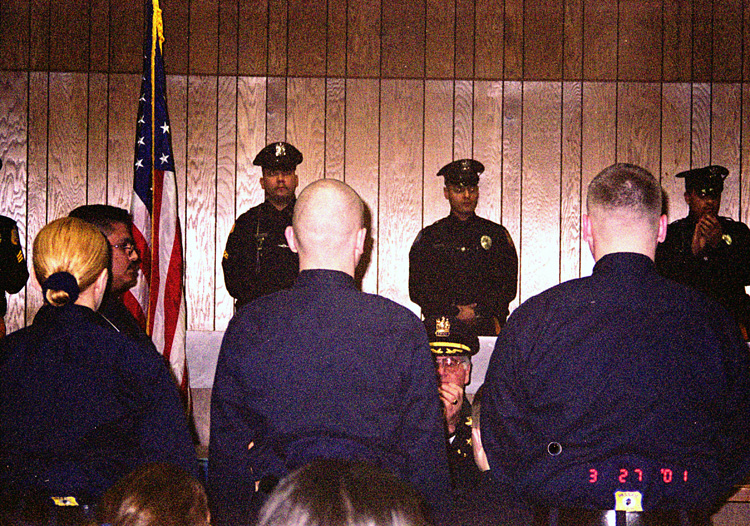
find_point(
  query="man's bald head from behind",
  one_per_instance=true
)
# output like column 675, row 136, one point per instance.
column 327, row 228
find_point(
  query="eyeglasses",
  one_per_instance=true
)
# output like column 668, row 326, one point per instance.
column 449, row 362
column 128, row 247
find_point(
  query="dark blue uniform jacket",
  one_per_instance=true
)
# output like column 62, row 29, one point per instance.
column 81, row 406
column 624, row 380
column 324, row 371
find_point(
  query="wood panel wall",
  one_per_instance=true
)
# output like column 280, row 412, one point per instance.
column 381, row 95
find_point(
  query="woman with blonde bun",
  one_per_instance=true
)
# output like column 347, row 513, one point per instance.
column 80, row 404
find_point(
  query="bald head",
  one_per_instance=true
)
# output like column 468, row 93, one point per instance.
column 624, row 212
column 327, row 228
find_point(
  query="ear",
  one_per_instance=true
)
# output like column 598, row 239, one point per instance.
column 445, row 192
column 686, row 196
column 101, row 281
column 289, row 235
column 360, row 242
column 467, row 375
column 587, row 231
column 662, row 229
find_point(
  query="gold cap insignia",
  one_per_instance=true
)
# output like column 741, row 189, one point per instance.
column 442, row 327
column 466, row 165
column 280, row 150
column 486, row 242
column 727, row 239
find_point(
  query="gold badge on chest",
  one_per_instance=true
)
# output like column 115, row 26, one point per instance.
column 486, row 242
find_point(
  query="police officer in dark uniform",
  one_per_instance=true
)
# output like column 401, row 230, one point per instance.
column 257, row 259
column 706, row 251
column 464, row 265
column 13, row 270
column 453, row 343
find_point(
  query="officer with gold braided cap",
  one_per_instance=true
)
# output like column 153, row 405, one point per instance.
column 464, row 265
column 257, row 259
column 453, row 343
column 13, row 270
column 707, row 251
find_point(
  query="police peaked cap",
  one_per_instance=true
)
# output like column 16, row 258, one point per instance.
column 449, row 336
column 278, row 156
column 464, row 172
column 710, row 179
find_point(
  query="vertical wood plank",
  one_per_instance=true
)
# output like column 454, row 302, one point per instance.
column 253, row 37
column 176, row 18
column 251, row 138
column 702, row 49
column 438, row 148
column 39, row 13
column 465, row 39
column 96, row 128
column 744, row 174
column 573, row 40
column 463, row 119
column 513, row 35
column 278, row 20
column 599, row 141
column 276, row 109
column 99, row 36
column 570, row 182
column 638, row 125
column 228, row 37
column 726, row 128
column 512, row 160
column 336, row 32
column 226, row 164
column 14, row 39
column 543, row 40
column 640, row 40
column 700, row 136
column 204, row 36
column 306, row 125
column 126, row 46
column 677, row 40
column 363, row 39
column 489, row 38
column 69, row 36
column 201, row 201
column 123, row 108
column 177, row 93
column 675, row 145
column 307, row 37
column 540, row 208
column 745, row 35
column 13, row 152
column 488, row 147
column 440, row 45
column 403, row 39
column 400, row 201
column 600, row 39
column 66, row 157
column 727, row 41
column 335, row 125
column 362, row 173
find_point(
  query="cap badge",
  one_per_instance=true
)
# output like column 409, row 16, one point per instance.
column 442, row 327
column 280, row 150
column 727, row 239
column 486, row 242
column 466, row 165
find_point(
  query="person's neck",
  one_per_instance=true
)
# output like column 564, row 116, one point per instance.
column 462, row 216
column 279, row 204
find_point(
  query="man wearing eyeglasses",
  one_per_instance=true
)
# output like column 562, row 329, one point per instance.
column 453, row 344
column 117, row 226
column 706, row 251
column 464, row 265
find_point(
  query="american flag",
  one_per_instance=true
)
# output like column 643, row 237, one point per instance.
column 157, row 300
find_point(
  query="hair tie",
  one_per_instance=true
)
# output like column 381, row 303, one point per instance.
column 64, row 281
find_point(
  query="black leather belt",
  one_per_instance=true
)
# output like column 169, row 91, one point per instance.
column 585, row 517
